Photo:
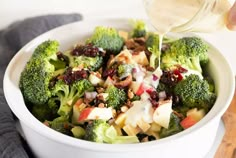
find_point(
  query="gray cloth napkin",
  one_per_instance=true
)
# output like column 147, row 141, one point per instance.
column 11, row 40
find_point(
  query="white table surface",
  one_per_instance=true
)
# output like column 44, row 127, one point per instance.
column 12, row 10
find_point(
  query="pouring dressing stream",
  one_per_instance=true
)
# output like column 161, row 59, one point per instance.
column 186, row 16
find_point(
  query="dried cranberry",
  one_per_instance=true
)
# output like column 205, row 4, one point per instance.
column 63, row 57
column 81, row 74
column 154, row 103
column 176, row 100
column 67, row 79
column 178, row 74
column 109, row 72
column 154, row 95
column 88, row 50
column 181, row 69
column 52, row 82
column 71, row 76
column 169, row 78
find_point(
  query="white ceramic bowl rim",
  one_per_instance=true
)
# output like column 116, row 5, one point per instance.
column 20, row 110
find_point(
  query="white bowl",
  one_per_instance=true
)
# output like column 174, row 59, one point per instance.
column 194, row 142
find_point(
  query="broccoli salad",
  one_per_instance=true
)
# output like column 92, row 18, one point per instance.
column 113, row 88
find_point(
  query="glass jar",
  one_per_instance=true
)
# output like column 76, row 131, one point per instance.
column 187, row 15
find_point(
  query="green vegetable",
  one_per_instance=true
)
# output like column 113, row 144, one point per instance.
column 61, row 125
column 68, row 94
column 92, row 63
column 43, row 112
column 78, row 132
column 189, row 52
column 136, row 97
column 154, row 58
column 174, row 127
column 35, row 78
column 116, row 97
column 195, row 92
column 124, row 70
column 139, row 29
column 101, row 132
column 164, row 87
column 152, row 40
column 107, row 38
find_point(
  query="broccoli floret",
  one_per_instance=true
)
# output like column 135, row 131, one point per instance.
column 68, row 94
column 95, row 131
column 189, row 52
column 107, row 38
column 101, row 132
column 154, row 58
column 43, row 112
column 36, row 76
column 61, row 124
column 164, row 87
column 116, row 97
column 152, row 44
column 124, row 70
column 139, row 29
column 152, row 40
column 174, row 127
column 91, row 63
column 195, row 92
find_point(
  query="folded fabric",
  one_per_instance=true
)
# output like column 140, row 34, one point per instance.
column 11, row 40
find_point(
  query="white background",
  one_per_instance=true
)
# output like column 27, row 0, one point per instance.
column 12, row 10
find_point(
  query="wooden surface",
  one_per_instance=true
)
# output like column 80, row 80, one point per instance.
column 227, row 148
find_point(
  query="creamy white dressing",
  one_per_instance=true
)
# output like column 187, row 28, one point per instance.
column 153, row 78
column 167, row 14
column 170, row 15
column 100, row 113
column 141, row 110
column 189, row 72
